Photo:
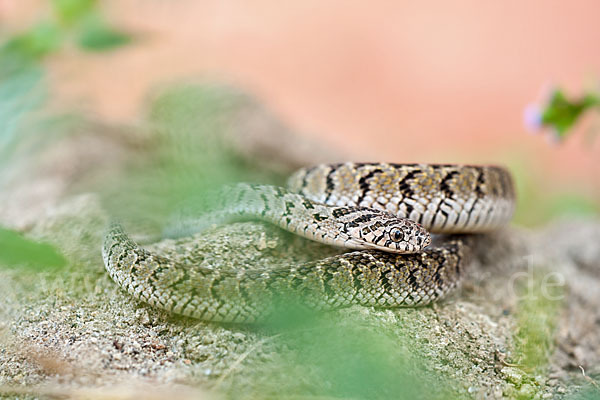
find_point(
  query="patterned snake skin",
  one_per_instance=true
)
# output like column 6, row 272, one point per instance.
column 441, row 198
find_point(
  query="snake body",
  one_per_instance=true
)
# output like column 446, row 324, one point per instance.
column 441, row 198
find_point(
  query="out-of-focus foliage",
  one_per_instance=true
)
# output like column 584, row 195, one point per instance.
column 559, row 114
column 23, row 91
column 22, row 87
column 70, row 12
column 89, row 28
column 188, row 155
column 96, row 35
column 78, row 19
column 537, row 205
column 537, row 317
column 19, row 95
column 18, row 251
column 24, row 50
column 353, row 360
column 21, row 71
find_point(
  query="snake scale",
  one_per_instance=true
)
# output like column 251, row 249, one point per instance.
column 383, row 209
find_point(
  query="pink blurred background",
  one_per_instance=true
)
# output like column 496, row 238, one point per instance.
column 398, row 81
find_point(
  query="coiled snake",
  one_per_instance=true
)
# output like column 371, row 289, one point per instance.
column 381, row 208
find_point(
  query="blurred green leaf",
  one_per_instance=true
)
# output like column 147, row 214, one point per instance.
column 572, row 204
column 19, row 95
column 561, row 114
column 28, row 48
column 185, row 157
column 352, row 359
column 72, row 11
column 95, row 35
column 16, row 250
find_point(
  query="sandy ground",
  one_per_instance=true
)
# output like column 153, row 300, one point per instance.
column 73, row 333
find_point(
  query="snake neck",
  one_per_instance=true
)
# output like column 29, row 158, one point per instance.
column 350, row 227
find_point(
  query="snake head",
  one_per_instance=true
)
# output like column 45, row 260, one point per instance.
column 407, row 236
column 387, row 232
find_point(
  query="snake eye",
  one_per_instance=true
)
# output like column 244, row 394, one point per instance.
column 396, row 235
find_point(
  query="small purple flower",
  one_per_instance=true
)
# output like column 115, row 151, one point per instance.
column 533, row 113
column 532, row 117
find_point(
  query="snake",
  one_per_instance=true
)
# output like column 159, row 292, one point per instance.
column 383, row 212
